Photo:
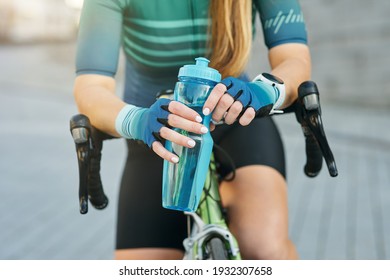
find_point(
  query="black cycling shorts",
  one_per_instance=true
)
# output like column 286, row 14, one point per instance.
column 143, row 222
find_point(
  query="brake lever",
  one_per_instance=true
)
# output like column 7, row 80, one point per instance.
column 89, row 143
column 80, row 129
column 309, row 115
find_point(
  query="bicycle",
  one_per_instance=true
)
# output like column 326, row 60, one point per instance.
column 209, row 235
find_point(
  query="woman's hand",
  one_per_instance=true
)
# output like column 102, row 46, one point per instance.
column 225, row 108
column 182, row 117
column 234, row 99
column 155, row 124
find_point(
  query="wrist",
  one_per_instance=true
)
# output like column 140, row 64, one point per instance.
column 277, row 85
column 126, row 121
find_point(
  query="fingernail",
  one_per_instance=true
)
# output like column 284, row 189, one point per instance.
column 175, row 159
column 206, row 111
column 191, row 143
column 198, row 119
column 204, row 129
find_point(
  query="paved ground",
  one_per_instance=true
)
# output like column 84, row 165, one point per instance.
column 347, row 217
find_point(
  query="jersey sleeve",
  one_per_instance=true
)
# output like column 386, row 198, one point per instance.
column 99, row 37
column 282, row 22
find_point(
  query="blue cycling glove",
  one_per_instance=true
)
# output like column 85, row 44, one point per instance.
column 263, row 97
column 143, row 123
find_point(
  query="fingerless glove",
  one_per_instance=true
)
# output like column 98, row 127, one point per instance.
column 264, row 98
column 143, row 124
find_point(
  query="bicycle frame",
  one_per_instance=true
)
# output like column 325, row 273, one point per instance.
column 209, row 221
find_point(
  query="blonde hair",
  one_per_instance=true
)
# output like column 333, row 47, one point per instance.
column 231, row 35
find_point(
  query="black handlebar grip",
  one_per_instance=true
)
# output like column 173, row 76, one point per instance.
column 313, row 154
column 96, row 193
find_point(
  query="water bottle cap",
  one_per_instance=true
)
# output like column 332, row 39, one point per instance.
column 200, row 70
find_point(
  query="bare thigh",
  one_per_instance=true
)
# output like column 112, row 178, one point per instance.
column 258, row 212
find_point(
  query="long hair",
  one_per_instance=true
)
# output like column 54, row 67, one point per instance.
column 231, row 35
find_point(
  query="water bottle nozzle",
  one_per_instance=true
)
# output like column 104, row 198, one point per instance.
column 202, row 61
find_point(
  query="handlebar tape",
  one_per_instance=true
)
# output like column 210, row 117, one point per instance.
column 313, row 154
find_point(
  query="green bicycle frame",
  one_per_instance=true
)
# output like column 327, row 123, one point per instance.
column 209, row 220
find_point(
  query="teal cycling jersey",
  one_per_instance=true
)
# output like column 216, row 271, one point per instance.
column 159, row 36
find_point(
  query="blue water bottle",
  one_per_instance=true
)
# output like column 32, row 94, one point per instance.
column 183, row 182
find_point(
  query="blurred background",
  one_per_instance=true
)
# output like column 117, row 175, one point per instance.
column 347, row 217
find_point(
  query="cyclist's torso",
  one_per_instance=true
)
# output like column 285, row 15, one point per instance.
column 165, row 34
column 158, row 37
